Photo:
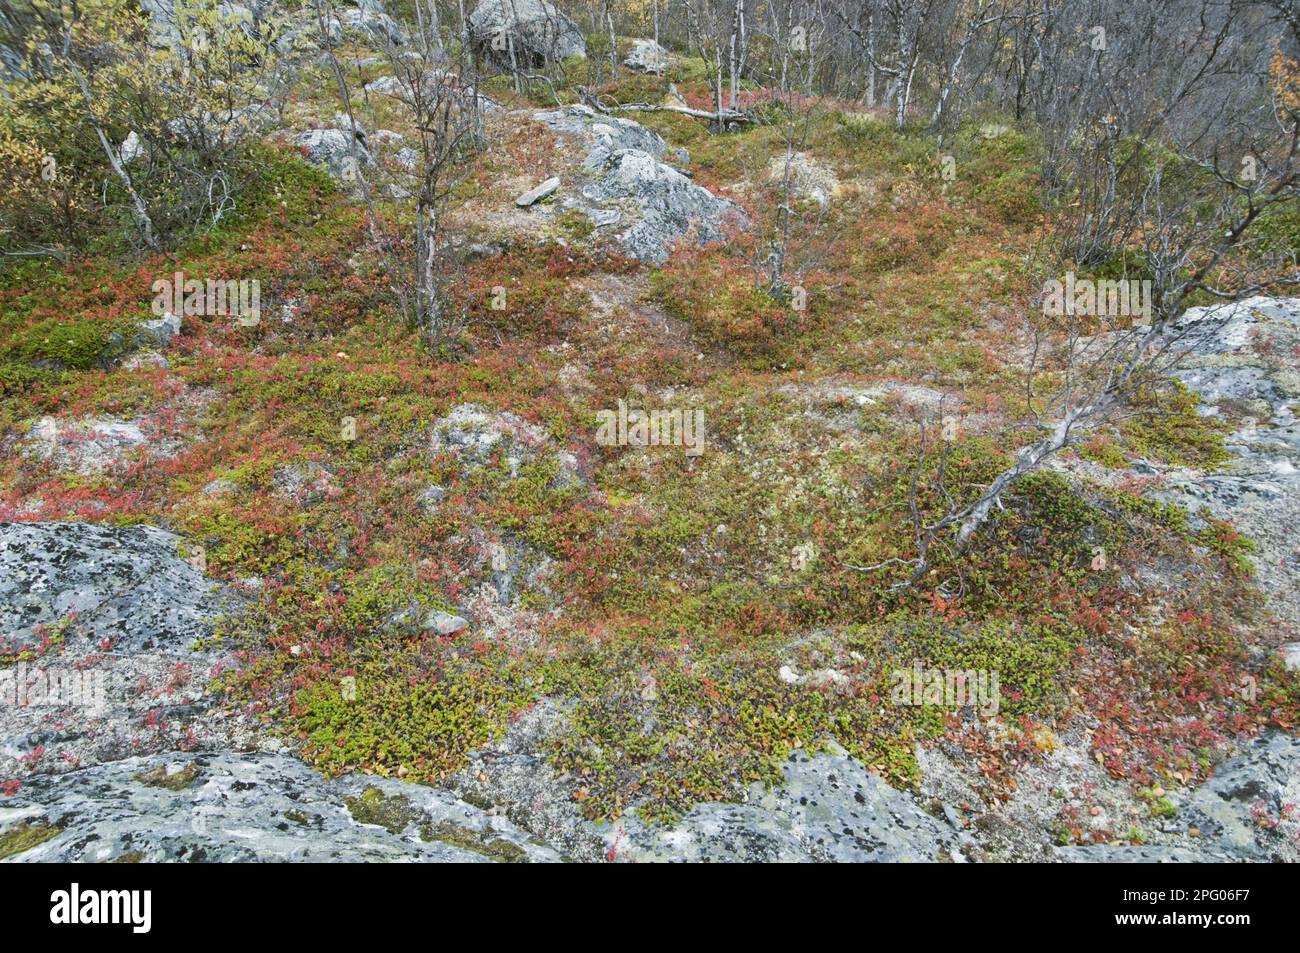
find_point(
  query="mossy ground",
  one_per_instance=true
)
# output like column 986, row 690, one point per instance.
column 177, row 780
column 25, row 835
column 678, row 587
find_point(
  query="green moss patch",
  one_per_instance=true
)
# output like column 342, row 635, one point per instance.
column 25, row 835
column 159, row 777
column 393, row 813
column 478, row 842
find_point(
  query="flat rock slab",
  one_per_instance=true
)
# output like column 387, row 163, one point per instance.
column 254, row 807
column 92, row 446
column 831, row 808
column 102, row 628
column 1241, row 358
column 536, row 194
column 127, row 585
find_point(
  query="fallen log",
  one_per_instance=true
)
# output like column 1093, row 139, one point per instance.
column 726, row 115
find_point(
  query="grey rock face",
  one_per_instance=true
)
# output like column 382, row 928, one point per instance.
column 647, row 56
column 139, row 607
column 104, row 622
column 225, row 127
column 1242, row 361
column 237, row 16
column 153, row 335
column 128, row 585
column 670, row 206
column 259, row 807
column 444, row 623
column 304, row 485
column 537, row 32
column 11, row 61
column 415, row 619
column 159, row 332
column 221, row 487
column 251, row 18
column 829, row 809
column 407, row 158
column 473, row 434
column 375, row 25
column 162, row 18
column 93, row 446
column 810, row 180
column 1236, row 809
column 431, row 497
column 385, row 86
column 131, row 148
column 625, row 181
column 332, row 148
column 1131, row 854
column 613, row 132
column 1240, row 814
column 303, row 34
column 431, row 85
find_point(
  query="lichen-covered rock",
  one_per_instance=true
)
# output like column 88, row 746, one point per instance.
column 473, row 433
column 11, row 63
column 407, row 158
column 103, row 634
column 539, row 192
column 647, row 56
column 93, row 447
column 159, row 332
column 1241, row 358
column 385, row 86
column 668, row 206
column 537, row 32
column 254, row 807
column 1133, row 854
column 597, row 129
column 1246, row 812
column 414, row 618
column 224, row 126
column 131, row 148
column 1248, row 809
column 128, row 585
column 373, row 24
column 303, row 33
column 253, row 18
column 333, row 149
column 830, row 808
column 162, row 19
column 445, row 623
column 304, row 485
column 624, row 183
column 810, row 181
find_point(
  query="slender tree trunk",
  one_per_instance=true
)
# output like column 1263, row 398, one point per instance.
column 947, row 86
column 613, row 41
column 732, row 62
column 139, row 209
column 871, row 58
